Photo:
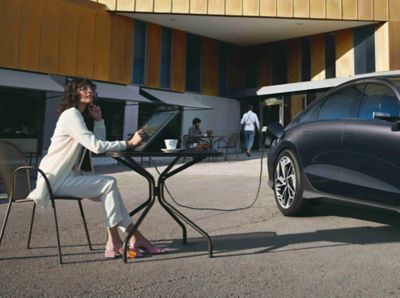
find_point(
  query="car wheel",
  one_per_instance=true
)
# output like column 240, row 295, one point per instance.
column 288, row 184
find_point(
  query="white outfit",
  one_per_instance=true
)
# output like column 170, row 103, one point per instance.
column 250, row 119
column 59, row 165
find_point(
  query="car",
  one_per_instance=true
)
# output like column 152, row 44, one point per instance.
column 343, row 146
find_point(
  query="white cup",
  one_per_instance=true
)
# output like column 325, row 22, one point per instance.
column 171, row 143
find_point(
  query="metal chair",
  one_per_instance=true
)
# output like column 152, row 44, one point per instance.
column 16, row 176
column 231, row 143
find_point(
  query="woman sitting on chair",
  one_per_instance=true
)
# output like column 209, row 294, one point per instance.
column 60, row 165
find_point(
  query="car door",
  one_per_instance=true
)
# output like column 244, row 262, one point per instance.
column 372, row 150
column 320, row 141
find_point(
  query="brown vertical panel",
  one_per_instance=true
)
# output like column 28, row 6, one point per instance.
column 381, row 10
column 198, row 6
column 210, row 67
column 69, row 40
column 382, row 47
column 144, row 5
column 162, row 6
column 216, row 7
column 86, row 33
column 268, row 8
column 344, row 53
column 333, row 9
column 394, row 45
column 117, row 49
column 125, row 5
column 301, row 8
column 251, row 7
column 30, row 34
column 153, row 55
column 10, row 24
column 180, row 6
column 285, row 8
column 394, row 10
column 102, row 46
column 264, row 67
column 317, row 9
column 233, row 7
column 128, row 70
column 296, row 105
column 178, row 60
column 294, row 61
column 49, row 37
column 317, row 57
column 350, row 9
column 365, row 10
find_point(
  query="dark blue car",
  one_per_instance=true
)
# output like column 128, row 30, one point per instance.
column 344, row 146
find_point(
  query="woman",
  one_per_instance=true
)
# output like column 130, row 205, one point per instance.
column 60, row 165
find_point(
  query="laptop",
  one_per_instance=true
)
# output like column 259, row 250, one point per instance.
column 154, row 127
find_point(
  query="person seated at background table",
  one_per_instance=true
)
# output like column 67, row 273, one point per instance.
column 196, row 135
column 60, row 166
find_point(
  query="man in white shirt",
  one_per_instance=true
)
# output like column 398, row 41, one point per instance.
column 250, row 122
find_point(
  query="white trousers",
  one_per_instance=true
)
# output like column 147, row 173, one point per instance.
column 96, row 187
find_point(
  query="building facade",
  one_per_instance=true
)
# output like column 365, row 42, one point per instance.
column 222, row 53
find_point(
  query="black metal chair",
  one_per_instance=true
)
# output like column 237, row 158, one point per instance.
column 231, row 143
column 16, row 176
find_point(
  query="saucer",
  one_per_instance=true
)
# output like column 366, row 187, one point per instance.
column 171, row 150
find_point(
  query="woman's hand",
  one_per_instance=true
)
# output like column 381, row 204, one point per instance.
column 95, row 112
column 136, row 139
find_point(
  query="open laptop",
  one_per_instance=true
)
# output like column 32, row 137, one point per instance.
column 154, row 126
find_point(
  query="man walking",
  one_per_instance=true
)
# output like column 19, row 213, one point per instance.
column 250, row 122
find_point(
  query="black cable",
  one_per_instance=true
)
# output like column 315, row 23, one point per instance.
column 218, row 209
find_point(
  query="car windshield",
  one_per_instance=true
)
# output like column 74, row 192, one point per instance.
column 396, row 82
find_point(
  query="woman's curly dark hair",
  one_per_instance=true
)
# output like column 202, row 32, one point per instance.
column 71, row 93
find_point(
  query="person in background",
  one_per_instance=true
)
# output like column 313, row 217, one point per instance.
column 60, row 165
column 195, row 136
column 250, row 123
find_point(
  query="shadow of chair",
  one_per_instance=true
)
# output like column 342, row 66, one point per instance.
column 231, row 143
column 17, row 180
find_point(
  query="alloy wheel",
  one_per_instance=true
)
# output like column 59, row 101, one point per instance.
column 285, row 182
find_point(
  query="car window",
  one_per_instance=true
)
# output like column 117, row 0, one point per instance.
column 378, row 99
column 310, row 115
column 339, row 104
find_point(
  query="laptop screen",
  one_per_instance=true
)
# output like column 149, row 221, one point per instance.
column 154, row 126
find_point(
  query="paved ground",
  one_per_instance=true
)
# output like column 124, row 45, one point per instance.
column 334, row 251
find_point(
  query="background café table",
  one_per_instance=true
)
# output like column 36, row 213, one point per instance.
column 156, row 189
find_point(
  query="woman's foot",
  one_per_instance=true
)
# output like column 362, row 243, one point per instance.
column 148, row 247
column 114, row 251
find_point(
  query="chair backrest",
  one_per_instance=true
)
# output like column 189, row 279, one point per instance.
column 233, row 140
column 12, row 158
column 185, row 139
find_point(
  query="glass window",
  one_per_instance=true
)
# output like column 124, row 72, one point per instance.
column 193, row 63
column 305, row 59
column 364, row 49
column 139, row 52
column 338, row 105
column 378, row 99
column 309, row 115
column 165, row 73
column 330, row 55
column 280, row 64
column 223, row 67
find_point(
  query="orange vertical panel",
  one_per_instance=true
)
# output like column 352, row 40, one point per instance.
column 285, row 8
column 350, row 10
column 86, row 39
column 210, row 67
column 162, row 6
column 268, row 8
column 294, row 60
column 317, row 9
column 178, row 60
column 30, row 34
column 128, row 50
column 233, row 7
column 126, row 5
column 216, row 7
column 381, row 10
column 394, row 10
column 251, row 7
column 180, row 6
column 49, row 38
column 102, row 47
column 153, row 55
column 333, row 9
column 10, row 24
column 117, row 50
column 264, row 67
column 394, row 45
column 69, row 40
column 344, row 53
column 317, row 57
column 144, row 5
column 365, row 9
column 301, row 8
column 198, row 6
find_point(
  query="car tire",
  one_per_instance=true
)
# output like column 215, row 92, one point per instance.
column 288, row 184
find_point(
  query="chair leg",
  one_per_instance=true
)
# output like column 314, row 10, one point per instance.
column 5, row 220
column 85, row 225
column 57, row 233
column 31, row 226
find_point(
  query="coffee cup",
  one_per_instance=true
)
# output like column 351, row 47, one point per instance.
column 171, row 143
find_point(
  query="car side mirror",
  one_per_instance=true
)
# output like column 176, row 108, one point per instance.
column 274, row 132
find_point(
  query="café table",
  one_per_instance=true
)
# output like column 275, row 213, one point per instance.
column 211, row 139
column 156, row 189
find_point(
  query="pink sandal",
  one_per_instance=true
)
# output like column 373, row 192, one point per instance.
column 131, row 253
column 151, row 249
